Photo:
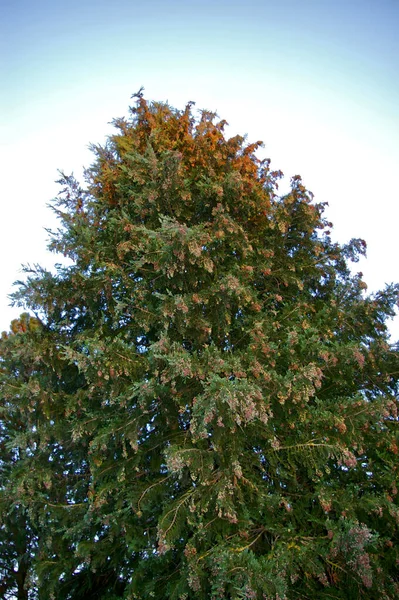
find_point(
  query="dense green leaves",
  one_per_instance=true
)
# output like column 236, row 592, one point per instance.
column 206, row 404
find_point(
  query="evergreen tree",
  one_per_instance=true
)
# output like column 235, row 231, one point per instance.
column 18, row 542
column 214, row 394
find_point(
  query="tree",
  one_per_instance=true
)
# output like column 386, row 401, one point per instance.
column 17, row 535
column 215, row 392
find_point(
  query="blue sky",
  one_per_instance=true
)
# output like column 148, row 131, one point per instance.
column 317, row 81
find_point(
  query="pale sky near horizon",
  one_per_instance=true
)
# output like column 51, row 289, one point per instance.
column 317, row 81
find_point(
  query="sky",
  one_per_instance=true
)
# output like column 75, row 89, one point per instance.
column 316, row 80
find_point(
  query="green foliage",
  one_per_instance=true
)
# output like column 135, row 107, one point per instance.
column 206, row 404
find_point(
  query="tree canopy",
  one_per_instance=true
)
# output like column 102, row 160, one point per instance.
column 204, row 405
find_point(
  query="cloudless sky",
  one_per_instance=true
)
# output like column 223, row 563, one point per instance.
column 316, row 80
